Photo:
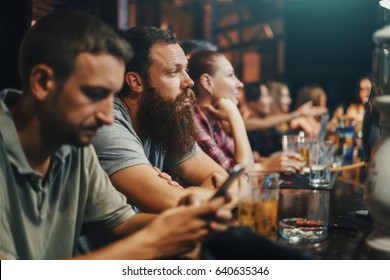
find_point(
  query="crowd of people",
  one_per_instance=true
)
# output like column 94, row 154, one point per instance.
column 130, row 137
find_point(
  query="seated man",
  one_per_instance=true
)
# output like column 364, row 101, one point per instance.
column 51, row 185
column 154, row 127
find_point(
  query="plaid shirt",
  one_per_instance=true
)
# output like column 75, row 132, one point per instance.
column 214, row 141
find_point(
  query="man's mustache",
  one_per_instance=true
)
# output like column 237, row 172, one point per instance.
column 187, row 93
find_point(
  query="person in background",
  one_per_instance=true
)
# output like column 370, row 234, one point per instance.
column 355, row 111
column 256, row 93
column 266, row 141
column 318, row 97
column 154, row 128
column 262, row 124
column 52, row 187
column 371, row 133
column 217, row 88
column 281, row 105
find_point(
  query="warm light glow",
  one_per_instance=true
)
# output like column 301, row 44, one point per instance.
column 268, row 31
column 385, row 4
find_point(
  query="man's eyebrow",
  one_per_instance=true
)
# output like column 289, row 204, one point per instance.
column 181, row 65
column 174, row 64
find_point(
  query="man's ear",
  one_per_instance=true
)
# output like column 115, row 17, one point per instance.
column 134, row 82
column 206, row 82
column 41, row 81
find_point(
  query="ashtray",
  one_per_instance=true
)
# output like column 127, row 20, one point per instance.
column 303, row 230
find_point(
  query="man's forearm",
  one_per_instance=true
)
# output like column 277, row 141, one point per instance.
column 135, row 223
column 134, row 247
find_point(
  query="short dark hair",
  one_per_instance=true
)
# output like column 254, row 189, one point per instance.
column 252, row 91
column 142, row 39
column 58, row 38
column 193, row 45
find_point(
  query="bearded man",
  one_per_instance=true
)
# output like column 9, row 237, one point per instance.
column 154, row 128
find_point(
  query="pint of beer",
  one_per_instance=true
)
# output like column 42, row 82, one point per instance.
column 258, row 203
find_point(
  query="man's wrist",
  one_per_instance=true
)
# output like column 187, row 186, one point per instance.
column 145, row 241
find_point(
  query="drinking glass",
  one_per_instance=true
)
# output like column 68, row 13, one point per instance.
column 303, row 147
column 290, row 143
column 258, row 202
column 321, row 158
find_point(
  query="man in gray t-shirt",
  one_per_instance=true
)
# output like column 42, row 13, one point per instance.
column 127, row 149
column 154, row 127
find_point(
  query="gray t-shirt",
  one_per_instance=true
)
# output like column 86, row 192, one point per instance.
column 43, row 220
column 118, row 146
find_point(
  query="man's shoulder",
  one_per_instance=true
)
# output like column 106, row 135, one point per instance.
column 4, row 93
column 122, row 126
column 120, row 112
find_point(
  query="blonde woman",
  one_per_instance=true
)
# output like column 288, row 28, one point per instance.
column 281, row 105
column 318, row 97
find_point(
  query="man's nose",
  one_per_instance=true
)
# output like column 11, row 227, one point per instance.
column 105, row 112
column 187, row 81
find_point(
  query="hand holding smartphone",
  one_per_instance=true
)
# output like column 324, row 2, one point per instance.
column 221, row 191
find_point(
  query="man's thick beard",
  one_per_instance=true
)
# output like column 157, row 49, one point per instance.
column 169, row 123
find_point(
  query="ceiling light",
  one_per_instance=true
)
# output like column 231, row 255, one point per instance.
column 385, row 4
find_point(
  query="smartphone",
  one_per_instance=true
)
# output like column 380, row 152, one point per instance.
column 221, row 191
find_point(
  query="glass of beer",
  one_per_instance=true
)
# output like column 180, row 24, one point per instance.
column 303, row 147
column 258, row 202
column 290, row 142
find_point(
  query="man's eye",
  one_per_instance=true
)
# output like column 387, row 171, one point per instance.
column 173, row 72
column 95, row 94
